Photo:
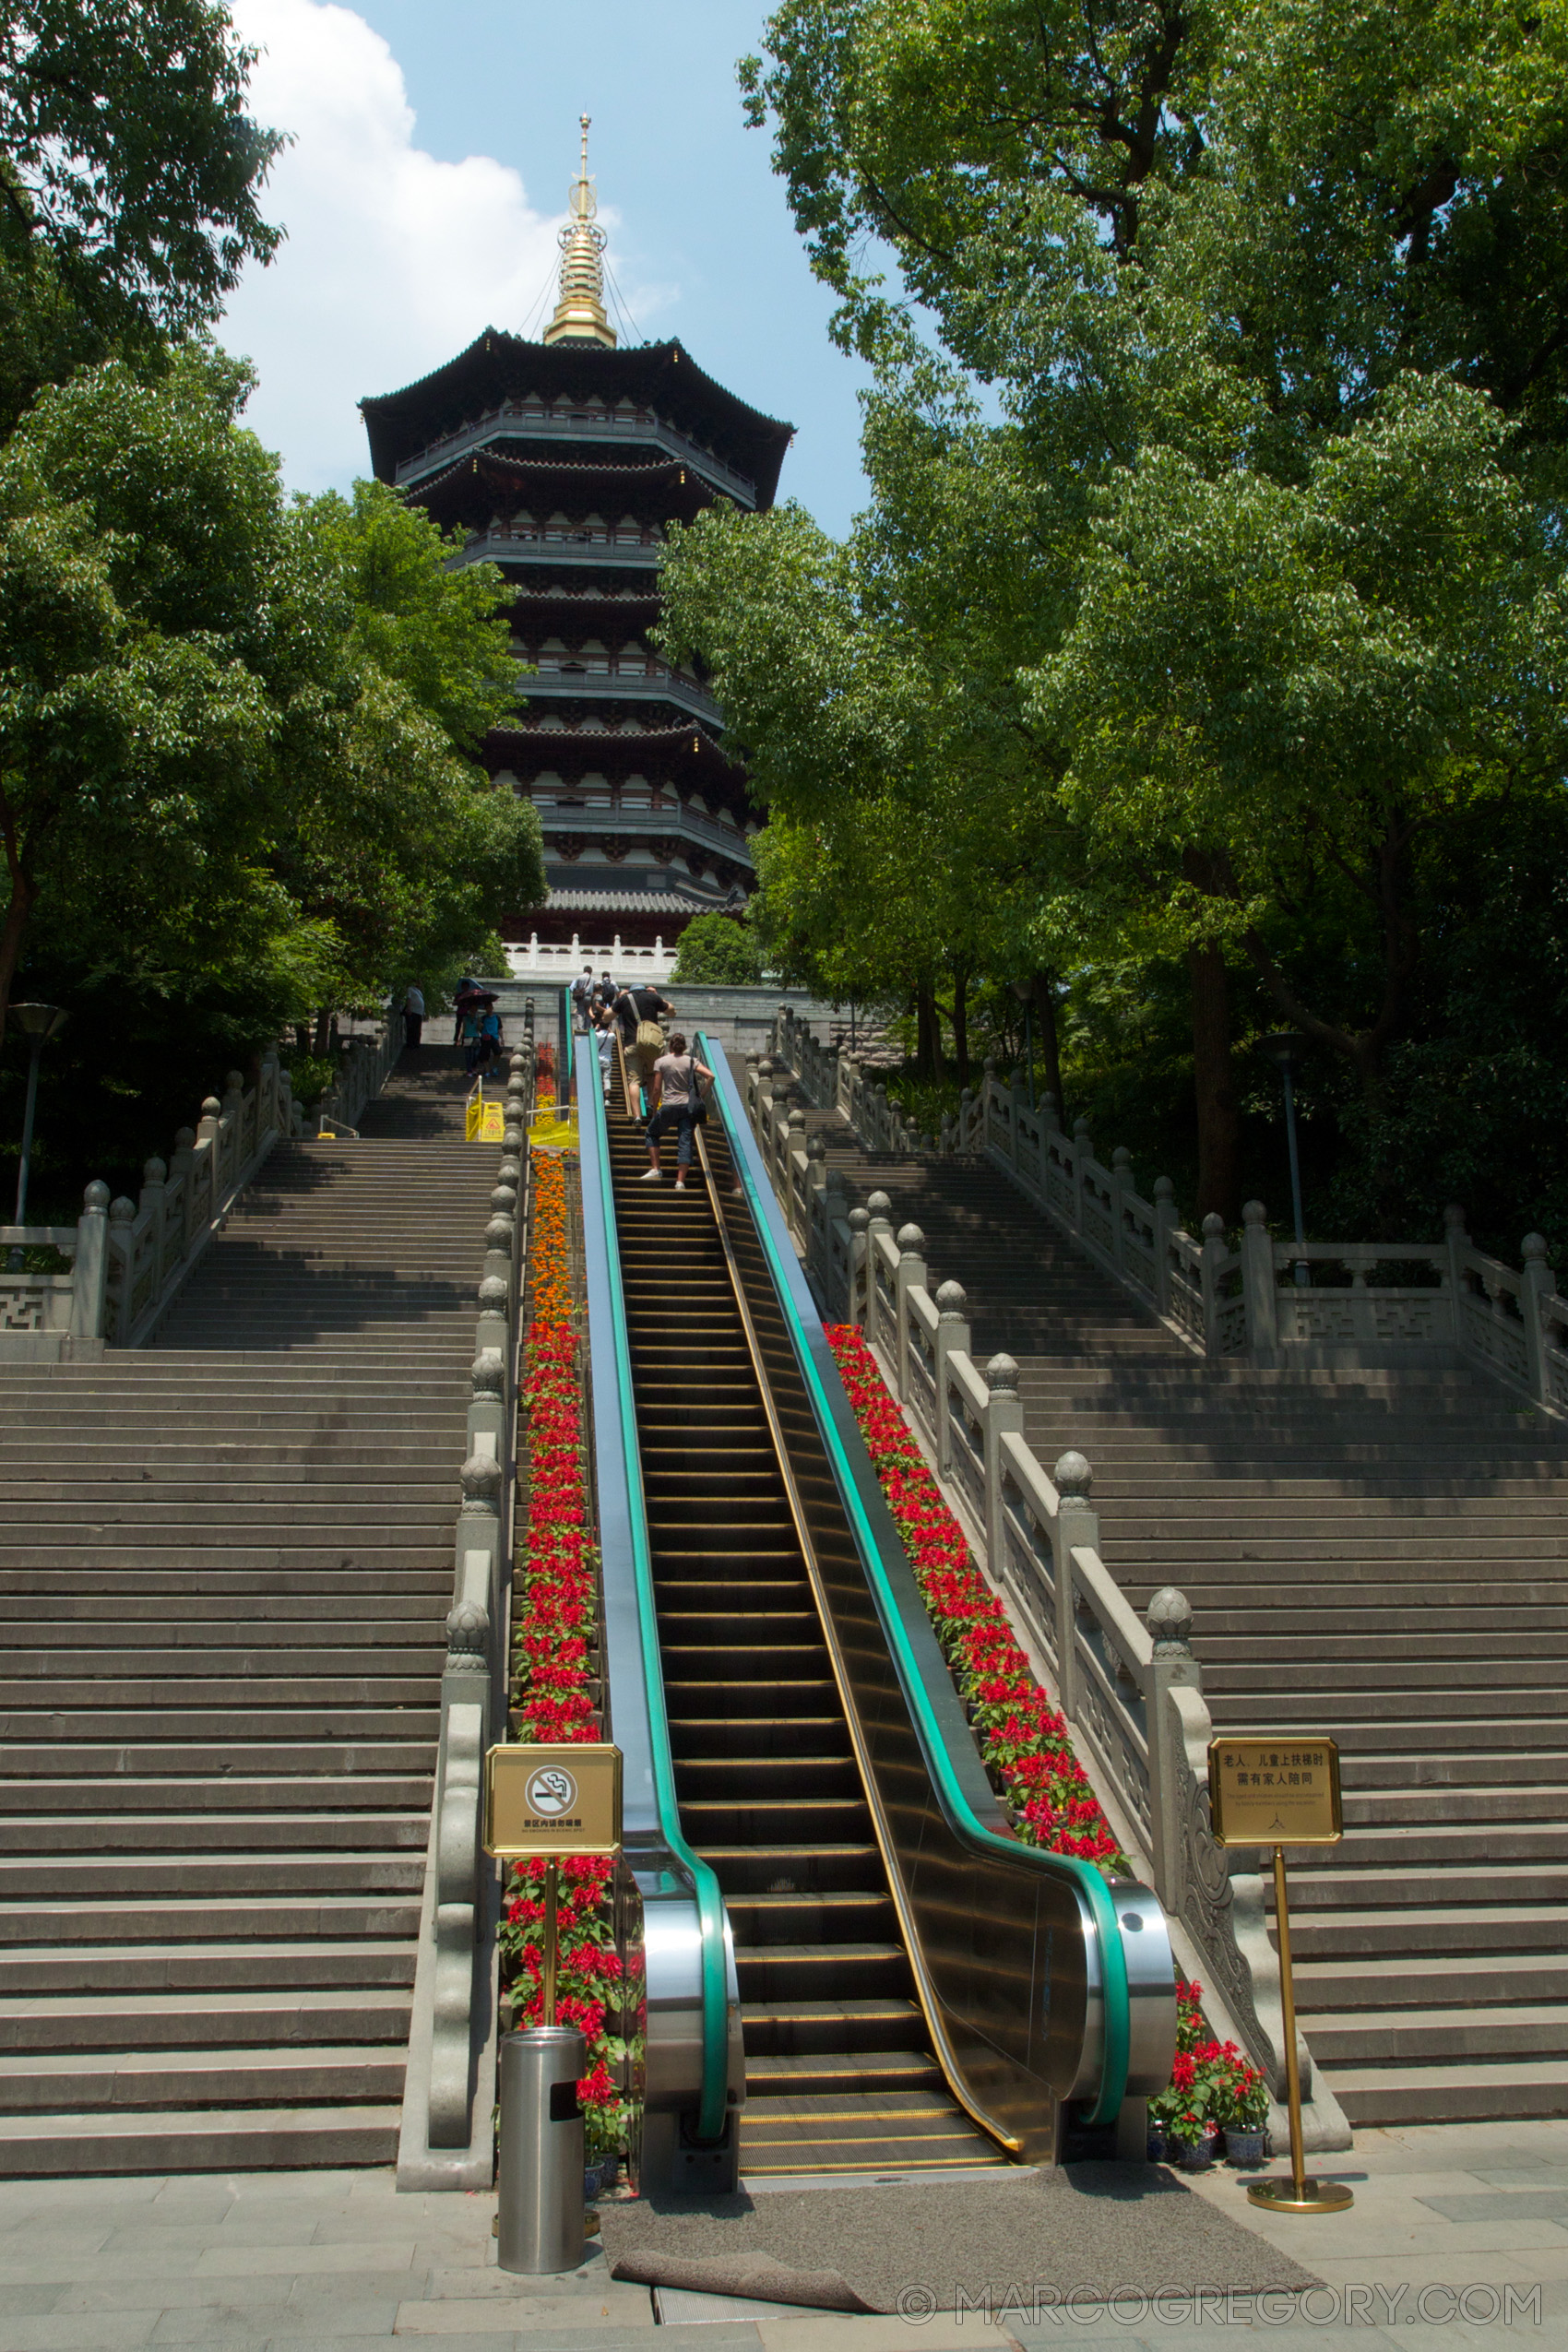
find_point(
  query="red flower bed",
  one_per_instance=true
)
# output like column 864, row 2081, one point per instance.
column 1021, row 1737
column 555, row 1618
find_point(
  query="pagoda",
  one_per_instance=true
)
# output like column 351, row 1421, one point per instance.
column 564, row 461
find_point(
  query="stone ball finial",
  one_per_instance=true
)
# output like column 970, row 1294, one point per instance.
column 1533, row 1247
column 212, row 1107
column 951, row 1299
column 912, row 1240
column 1454, row 1217
column 96, row 1197
column 498, row 1233
column 121, row 1211
column 879, row 1204
column 466, row 1628
column 481, row 1481
column 1164, row 1190
column 1121, row 1160
column 1253, row 1213
column 1169, row 1621
column 1073, row 1475
column 1214, row 1227
column 493, row 1295
column 154, row 1171
column 489, row 1372
column 797, row 1118
column 504, row 1199
column 1001, row 1377
column 235, row 1082
column 1080, row 1129
column 817, row 1145
column 859, row 1219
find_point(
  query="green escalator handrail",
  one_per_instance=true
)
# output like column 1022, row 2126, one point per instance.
column 1087, row 1881
column 594, row 1127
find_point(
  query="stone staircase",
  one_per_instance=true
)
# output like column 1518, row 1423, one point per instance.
column 1379, row 1556
column 225, row 1566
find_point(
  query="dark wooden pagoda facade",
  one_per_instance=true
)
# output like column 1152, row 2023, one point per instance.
column 564, row 461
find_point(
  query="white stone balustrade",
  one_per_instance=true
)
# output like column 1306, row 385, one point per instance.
column 1367, row 1305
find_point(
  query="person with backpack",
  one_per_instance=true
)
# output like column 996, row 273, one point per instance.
column 638, row 1011
column 678, row 1103
column 582, row 998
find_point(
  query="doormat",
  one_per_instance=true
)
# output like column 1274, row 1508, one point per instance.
column 1085, row 2232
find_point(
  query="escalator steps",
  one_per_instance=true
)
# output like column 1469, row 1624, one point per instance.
column 838, row 2080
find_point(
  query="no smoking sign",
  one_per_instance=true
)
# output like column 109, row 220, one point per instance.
column 553, row 1800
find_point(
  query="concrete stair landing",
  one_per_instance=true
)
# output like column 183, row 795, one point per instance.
column 225, row 1564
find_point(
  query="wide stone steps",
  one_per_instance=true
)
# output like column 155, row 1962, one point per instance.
column 225, row 1564
column 1379, row 1555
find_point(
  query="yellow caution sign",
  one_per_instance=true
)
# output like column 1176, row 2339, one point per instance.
column 486, row 1122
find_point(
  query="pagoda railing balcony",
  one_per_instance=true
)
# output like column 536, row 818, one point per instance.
column 572, row 546
column 530, row 421
column 605, row 679
column 598, row 813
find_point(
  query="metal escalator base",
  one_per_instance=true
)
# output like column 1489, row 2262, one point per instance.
column 838, row 2079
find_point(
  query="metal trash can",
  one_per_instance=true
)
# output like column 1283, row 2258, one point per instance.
column 540, row 2191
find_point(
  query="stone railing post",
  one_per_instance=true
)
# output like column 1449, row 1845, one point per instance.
column 860, row 1267
column 1214, row 1256
column 879, row 1222
column 150, row 1205
column 1169, row 1621
column 1121, row 1184
column 952, row 1333
column 1258, row 1287
column 1166, row 1222
column 91, row 1269
column 1003, row 1417
column 1534, row 1290
column 911, row 1272
column 1076, row 1525
column 1083, row 1148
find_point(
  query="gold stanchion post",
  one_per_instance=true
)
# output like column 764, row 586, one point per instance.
column 1281, row 1792
column 1297, row 2194
column 547, row 1968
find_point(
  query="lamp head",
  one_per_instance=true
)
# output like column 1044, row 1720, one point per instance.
column 38, row 1021
column 1283, row 1048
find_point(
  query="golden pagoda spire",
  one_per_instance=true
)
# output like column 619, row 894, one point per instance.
column 579, row 315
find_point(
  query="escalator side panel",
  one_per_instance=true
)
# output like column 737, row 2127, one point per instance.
column 1030, row 1952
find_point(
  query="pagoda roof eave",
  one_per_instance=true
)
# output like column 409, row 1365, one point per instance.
column 575, row 750
column 497, row 366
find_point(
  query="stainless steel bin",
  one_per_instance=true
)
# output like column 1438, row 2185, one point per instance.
column 541, row 2189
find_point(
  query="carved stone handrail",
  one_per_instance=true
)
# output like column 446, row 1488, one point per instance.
column 1376, row 1305
column 446, row 2141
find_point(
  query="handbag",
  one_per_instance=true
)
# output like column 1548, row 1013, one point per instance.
column 650, row 1036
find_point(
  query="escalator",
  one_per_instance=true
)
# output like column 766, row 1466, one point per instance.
column 913, row 1988
column 837, row 2077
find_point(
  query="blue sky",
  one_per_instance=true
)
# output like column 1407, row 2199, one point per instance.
column 433, row 151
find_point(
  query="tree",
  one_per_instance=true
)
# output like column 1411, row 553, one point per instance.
column 130, row 173
column 718, row 951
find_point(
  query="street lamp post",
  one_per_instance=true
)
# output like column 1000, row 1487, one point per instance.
column 1282, row 1050
column 37, row 1023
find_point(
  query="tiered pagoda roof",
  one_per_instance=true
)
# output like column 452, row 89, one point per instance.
column 564, row 461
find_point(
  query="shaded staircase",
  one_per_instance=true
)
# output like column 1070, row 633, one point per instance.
column 225, row 1566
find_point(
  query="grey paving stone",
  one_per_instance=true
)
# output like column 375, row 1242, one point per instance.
column 1519, row 2205
column 26, row 2302
column 347, row 2319
column 444, row 2286
column 225, row 2260
column 68, row 2331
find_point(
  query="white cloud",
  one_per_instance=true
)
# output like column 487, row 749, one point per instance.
column 394, row 261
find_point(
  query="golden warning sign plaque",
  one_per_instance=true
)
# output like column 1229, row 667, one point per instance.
column 554, row 1800
column 1274, row 1792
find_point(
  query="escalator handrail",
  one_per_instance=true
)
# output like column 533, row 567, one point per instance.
column 1085, row 1880
column 593, row 1128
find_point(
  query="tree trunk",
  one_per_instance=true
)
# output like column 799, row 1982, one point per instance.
column 1044, row 1001
column 961, row 1022
column 928, row 1035
column 11, row 936
column 323, row 1032
column 1219, row 1126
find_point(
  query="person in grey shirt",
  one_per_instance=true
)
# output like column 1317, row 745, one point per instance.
column 677, row 1102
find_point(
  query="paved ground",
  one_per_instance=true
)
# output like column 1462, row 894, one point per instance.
column 1450, row 2221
